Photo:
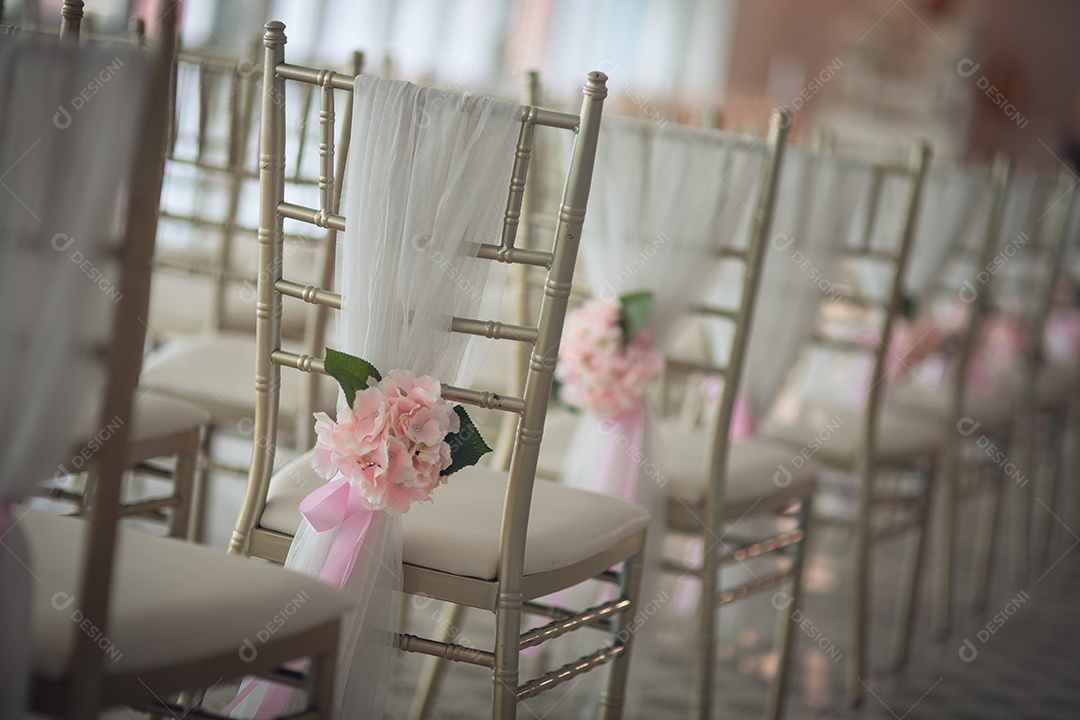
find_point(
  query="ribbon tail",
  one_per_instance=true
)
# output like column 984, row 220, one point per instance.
column 346, row 548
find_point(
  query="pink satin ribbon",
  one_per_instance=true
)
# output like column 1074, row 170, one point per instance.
column 333, row 505
column 631, row 426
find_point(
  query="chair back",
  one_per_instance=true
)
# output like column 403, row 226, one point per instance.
column 740, row 248
column 210, row 200
column 948, row 258
column 865, row 292
column 97, row 234
column 273, row 286
column 1030, row 260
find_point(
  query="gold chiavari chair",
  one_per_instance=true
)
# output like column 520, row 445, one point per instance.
column 956, row 403
column 866, row 439
column 715, row 483
column 508, row 539
column 106, row 625
column 162, row 427
column 1057, row 391
column 1027, row 281
column 212, row 177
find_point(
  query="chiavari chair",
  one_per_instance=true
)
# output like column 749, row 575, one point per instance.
column 1027, row 282
column 162, row 427
column 1058, row 384
column 490, row 540
column 104, row 626
column 956, row 402
column 210, row 197
column 716, row 483
column 865, row 438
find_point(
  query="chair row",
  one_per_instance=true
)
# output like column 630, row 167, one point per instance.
column 723, row 244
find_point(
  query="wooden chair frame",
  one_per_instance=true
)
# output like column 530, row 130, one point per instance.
column 512, row 591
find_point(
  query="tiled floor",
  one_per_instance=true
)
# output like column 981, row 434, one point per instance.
column 1027, row 667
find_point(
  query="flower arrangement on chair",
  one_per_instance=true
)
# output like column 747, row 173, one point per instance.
column 605, row 359
column 392, row 444
column 396, row 440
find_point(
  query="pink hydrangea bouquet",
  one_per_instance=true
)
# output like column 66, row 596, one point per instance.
column 605, row 361
column 397, row 440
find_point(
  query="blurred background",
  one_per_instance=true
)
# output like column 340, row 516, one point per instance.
column 972, row 76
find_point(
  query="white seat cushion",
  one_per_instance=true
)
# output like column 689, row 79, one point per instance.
column 458, row 532
column 993, row 408
column 217, row 372
column 157, row 415
column 172, row 601
column 833, row 433
column 761, row 473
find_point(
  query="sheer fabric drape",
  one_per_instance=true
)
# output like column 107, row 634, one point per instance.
column 67, row 146
column 661, row 204
column 952, row 215
column 426, row 183
column 814, row 215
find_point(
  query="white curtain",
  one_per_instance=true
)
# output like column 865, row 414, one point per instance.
column 427, row 182
column 66, row 145
column 457, row 43
column 654, row 50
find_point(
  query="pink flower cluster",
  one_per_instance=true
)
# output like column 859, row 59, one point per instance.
column 391, row 445
column 1061, row 339
column 598, row 372
column 913, row 341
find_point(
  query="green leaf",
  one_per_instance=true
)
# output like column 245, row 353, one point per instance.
column 351, row 372
column 466, row 445
column 556, row 396
column 636, row 309
column 909, row 306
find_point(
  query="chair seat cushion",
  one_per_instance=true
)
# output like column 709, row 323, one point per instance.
column 157, row 415
column 994, row 407
column 217, row 372
column 761, row 473
column 833, row 433
column 458, row 532
column 172, row 601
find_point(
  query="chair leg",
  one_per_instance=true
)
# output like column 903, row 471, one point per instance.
column 857, row 667
column 507, row 656
column 707, row 622
column 909, row 600
column 435, row 668
column 986, row 542
column 1046, row 471
column 185, row 481
column 785, row 638
column 1071, row 446
column 200, row 488
column 947, row 489
column 1024, row 504
column 614, row 697
column 323, row 668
